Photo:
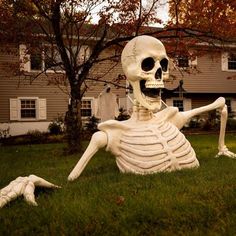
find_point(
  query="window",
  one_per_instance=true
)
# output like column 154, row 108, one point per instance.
column 184, row 104
column 49, row 59
column 36, row 61
column 232, row 61
column 39, row 60
column 28, row 108
column 183, row 61
column 179, row 104
column 52, row 58
column 86, row 108
column 228, row 61
column 186, row 61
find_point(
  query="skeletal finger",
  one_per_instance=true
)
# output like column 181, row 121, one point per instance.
column 3, row 201
column 42, row 182
column 29, row 194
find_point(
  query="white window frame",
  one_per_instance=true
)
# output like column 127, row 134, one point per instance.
column 225, row 60
column 92, row 99
column 15, row 109
column 35, row 108
column 187, row 102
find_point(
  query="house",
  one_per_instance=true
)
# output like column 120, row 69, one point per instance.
column 27, row 103
column 202, row 80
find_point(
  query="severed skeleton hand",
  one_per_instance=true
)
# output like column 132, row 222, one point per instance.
column 224, row 151
column 23, row 186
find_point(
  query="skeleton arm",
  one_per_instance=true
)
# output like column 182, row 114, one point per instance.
column 98, row 140
column 179, row 119
column 223, row 150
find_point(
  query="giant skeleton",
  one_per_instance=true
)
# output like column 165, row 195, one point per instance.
column 150, row 141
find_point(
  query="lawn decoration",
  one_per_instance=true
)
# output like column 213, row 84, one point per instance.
column 150, row 141
column 23, row 186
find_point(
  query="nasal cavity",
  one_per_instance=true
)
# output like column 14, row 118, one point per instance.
column 158, row 74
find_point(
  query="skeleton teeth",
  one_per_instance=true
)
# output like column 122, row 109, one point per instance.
column 154, row 85
column 151, row 86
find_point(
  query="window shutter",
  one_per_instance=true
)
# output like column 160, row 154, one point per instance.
column 169, row 102
column 24, row 58
column 84, row 53
column 187, row 104
column 95, row 105
column 42, row 109
column 92, row 107
column 193, row 62
column 233, row 105
column 14, row 111
column 224, row 61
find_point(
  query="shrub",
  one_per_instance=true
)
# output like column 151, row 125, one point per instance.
column 35, row 136
column 123, row 115
column 212, row 122
column 231, row 124
column 195, row 122
column 4, row 133
column 56, row 126
column 92, row 124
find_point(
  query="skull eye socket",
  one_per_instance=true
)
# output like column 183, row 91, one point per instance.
column 148, row 64
column 164, row 64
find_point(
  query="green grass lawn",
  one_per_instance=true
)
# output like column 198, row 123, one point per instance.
column 105, row 202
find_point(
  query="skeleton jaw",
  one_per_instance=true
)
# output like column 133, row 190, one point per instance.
column 148, row 81
column 147, row 95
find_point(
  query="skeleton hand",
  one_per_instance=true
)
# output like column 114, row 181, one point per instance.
column 225, row 152
column 23, row 186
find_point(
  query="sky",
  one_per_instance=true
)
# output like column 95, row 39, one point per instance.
column 162, row 12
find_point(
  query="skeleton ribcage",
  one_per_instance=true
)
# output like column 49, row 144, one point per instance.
column 153, row 148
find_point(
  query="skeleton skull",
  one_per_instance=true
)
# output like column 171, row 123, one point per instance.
column 145, row 65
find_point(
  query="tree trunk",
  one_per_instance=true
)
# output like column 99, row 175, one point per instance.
column 74, row 126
